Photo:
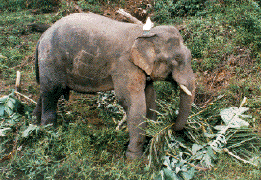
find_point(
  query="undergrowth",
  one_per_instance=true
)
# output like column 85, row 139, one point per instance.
column 74, row 150
column 206, row 138
column 80, row 150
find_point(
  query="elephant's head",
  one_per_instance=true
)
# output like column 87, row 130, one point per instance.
column 161, row 54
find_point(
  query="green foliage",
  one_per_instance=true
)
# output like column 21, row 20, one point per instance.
column 8, row 105
column 165, row 90
column 107, row 101
column 96, row 6
column 162, row 9
column 197, row 148
column 89, row 5
column 16, row 5
column 73, row 151
column 188, row 8
column 246, row 17
column 168, row 10
column 16, row 45
column 176, row 169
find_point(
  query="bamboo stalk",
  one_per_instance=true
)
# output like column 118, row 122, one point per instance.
column 18, row 81
column 17, row 87
column 26, row 97
column 129, row 16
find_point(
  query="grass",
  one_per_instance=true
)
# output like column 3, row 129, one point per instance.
column 226, row 59
column 228, row 168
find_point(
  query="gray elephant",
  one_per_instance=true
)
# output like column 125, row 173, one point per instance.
column 87, row 53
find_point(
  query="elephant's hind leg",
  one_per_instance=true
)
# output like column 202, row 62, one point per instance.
column 52, row 84
column 49, row 105
column 38, row 111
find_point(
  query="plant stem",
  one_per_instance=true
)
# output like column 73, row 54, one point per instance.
column 237, row 157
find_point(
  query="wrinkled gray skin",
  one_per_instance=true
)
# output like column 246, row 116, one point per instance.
column 89, row 53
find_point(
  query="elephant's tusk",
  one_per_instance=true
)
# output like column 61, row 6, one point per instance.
column 185, row 89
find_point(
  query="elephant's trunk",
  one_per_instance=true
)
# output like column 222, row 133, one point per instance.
column 187, row 94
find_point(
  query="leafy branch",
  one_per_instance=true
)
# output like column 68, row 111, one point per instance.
column 182, row 157
column 15, row 124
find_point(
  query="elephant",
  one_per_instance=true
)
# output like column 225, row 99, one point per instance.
column 88, row 53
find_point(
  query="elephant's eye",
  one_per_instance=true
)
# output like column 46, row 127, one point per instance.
column 179, row 58
column 170, row 47
column 172, row 43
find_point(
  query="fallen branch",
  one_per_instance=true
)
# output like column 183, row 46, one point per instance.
column 243, row 102
column 237, row 157
column 17, row 87
column 12, row 153
column 129, row 16
column 24, row 96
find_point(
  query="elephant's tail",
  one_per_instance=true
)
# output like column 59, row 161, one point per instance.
column 36, row 64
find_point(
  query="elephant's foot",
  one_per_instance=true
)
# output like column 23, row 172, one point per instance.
column 135, row 147
column 134, row 155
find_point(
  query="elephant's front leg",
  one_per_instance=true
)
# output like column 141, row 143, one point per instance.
column 136, row 125
column 142, row 105
column 129, row 87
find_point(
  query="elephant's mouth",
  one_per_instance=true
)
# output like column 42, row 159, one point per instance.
column 176, row 84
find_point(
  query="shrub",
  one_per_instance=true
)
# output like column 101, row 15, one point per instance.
column 226, row 28
column 162, row 9
column 167, row 10
column 14, row 5
column 188, row 7
column 89, row 5
column 246, row 18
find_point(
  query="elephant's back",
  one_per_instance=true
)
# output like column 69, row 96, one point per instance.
column 94, row 23
column 83, row 19
column 77, row 29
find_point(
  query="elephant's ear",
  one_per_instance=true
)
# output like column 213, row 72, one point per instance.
column 143, row 53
